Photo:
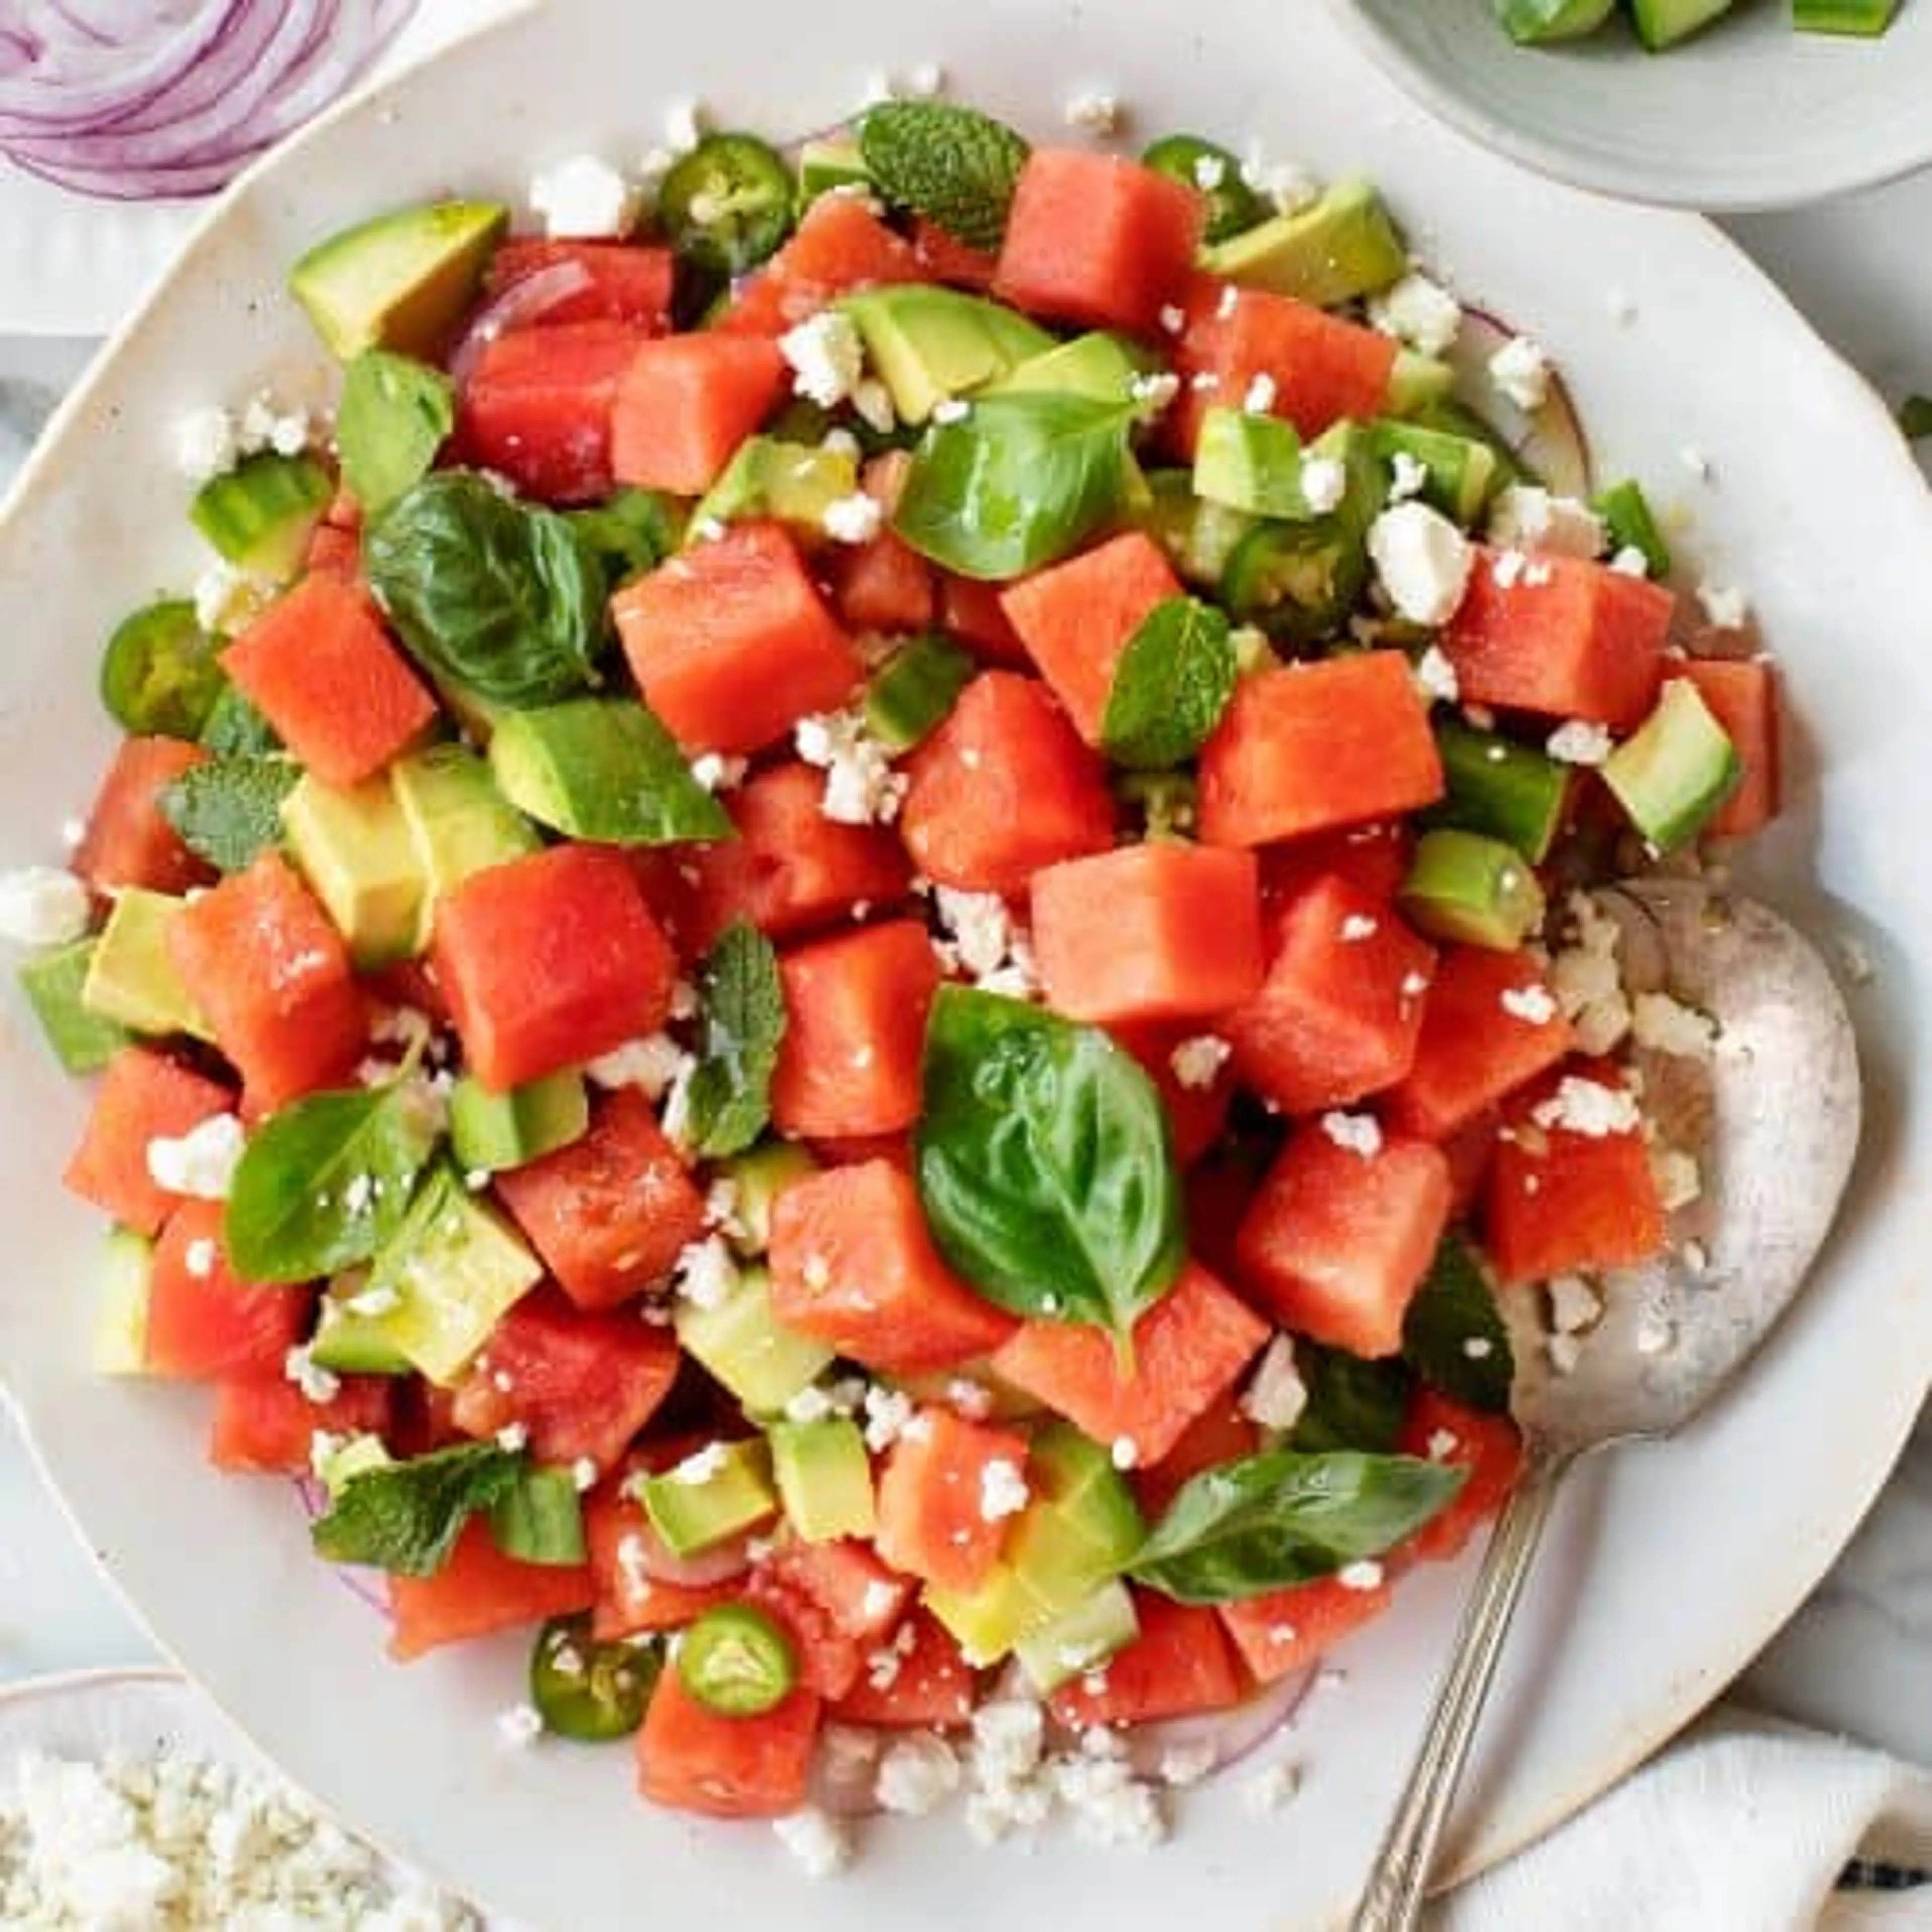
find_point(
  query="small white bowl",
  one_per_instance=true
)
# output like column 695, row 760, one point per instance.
column 1749, row 114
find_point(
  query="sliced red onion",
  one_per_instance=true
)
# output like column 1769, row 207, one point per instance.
column 78, row 82
column 521, row 304
column 717, row 1564
column 370, row 1586
column 845, row 1770
column 1222, row 1738
column 1551, row 438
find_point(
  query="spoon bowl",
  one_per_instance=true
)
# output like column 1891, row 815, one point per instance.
column 1773, row 1114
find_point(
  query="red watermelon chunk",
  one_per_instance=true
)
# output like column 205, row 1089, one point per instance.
column 479, row 1591
column 684, row 403
column 1283, row 1631
column 1181, row 1663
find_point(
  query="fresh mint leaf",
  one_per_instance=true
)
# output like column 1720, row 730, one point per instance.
column 1044, row 1163
column 496, row 595
column 1170, row 686
column 1351, row 1404
column 405, row 1517
column 229, row 810
column 954, row 165
column 1454, row 1308
column 539, row 1518
column 911, row 694
column 1282, row 1517
column 323, row 1184
column 633, row 531
column 235, row 727
column 1016, row 482
column 730, row 1093
column 394, row 415
column 1915, row 418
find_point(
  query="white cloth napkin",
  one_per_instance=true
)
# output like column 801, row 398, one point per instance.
column 1743, row 1824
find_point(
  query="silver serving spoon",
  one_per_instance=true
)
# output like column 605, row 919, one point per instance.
column 1773, row 1114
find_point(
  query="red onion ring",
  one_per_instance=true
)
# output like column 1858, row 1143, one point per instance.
column 1550, row 438
column 1229, row 1736
column 522, row 303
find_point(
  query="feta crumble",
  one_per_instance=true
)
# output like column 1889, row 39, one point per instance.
column 1363, row 1574
column 1276, row 1394
column 1527, row 517
column 856, row 519
column 1724, row 605
column 1353, row 1133
column 827, row 357
column 1574, row 1305
column 918, row 1773
column 199, row 1258
column 1325, row 482
column 981, row 940
column 1173, row 318
column 1630, row 562
column 200, row 1163
column 1520, row 371
column 41, row 905
column 583, row 1474
column 1679, row 1181
column 513, row 1438
column 1536, row 1005
column 318, row 1385
column 1419, row 312
column 205, row 444
column 1588, row 1108
column 874, row 403
column 717, row 772
column 1408, row 476
column 1435, row 675
column 1665, row 1025
column 1422, row 560
column 1003, row 1490
column 1267, row 1791
column 1358, row 926
column 1125, row 1454
column 1094, row 111
column 226, row 597
column 1478, row 1348
column 585, row 199
column 1197, row 1063
column 861, row 787
column 701, row 1464
column 889, row 1413
column 821, row 1844
column 1579, row 743
column 650, row 1064
column 519, row 1725
column 1260, row 399
column 704, row 1273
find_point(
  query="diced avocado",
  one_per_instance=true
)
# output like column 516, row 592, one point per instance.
column 355, row 848
column 261, row 514
column 1462, row 473
column 1083, row 1525
column 1078, row 1639
column 988, row 1622
column 824, row 1477
column 756, row 1177
column 1475, row 890
column 1497, row 787
column 1341, row 246
column 1197, row 535
column 913, row 693
column 1418, row 383
column 131, row 979
column 1250, row 462
column 1662, row 23
column 353, row 1456
column 724, row 1488
column 929, row 344
column 455, row 1265
column 1446, row 412
column 1535, row 23
column 400, row 280
column 490, row 1131
column 120, row 1322
column 1628, row 524
column 1099, row 364
column 350, row 1340
column 794, row 482
column 83, row 1041
column 745, row 1345
column 1675, row 769
column 831, row 161
column 459, row 821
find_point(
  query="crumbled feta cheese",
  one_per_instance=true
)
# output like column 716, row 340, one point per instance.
column 919, row 1772
column 1260, row 398
column 820, row 1843
column 317, row 1384
column 1419, row 312
column 1183, row 1765
column 861, row 787
column 1003, row 1490
column 702, row 1464
column 585, row 199
column 1435, row 675
column 226, row 597
column 1565, row 1352
column 1197, row 1063
column 704, row 1273
column 874, row 403
column 1679, row 1181
column 265, row 424
column 200, row 1163
column 1211, row 171
column 1443, row 1444
column 1267, row 1791
column 1288, row 184
column 1520, row 371
column 889, row 1414
column 1588, row 1108
column 1478, row 1348
column 1009, row 1737
column 1666, row 1025
column 684, row 125
column 1724, row 605
column 650, row 1064
column 1173, row 318
column 1579, row 743
column 1526, row 517
column 1536, row 1005
column 1364, row 1574
column 1408, row 476
column 1276, row 1394
column 1094, row 111
column 856, row 519
column 1355, row 1133
column 1574, row 1305
column 205, row 444
column 1110, row 1805
column 1125, row 1454
column 1155, row 391
column 1585, row 977
column 827, row 356
column 40, row 905
column 514, row 1437
column 717, row 772
column 1358, row 926
column 584, row 1473
column 1423, row 561
column 1325, row 482
column 373, row 1302
column 199, row 1258
column 983, row 942
column 1630, row 562
column 1415, row 985
column 1656, row 1334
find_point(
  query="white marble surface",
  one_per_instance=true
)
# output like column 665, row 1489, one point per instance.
column 1857, row 1658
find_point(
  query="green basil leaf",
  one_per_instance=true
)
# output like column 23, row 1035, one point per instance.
column 498, row 595
column 1915, row 418
column 394, row 415
column 1045, row 1165
column 229, row 810
column 323, row 1184
column 1015, row 483
column 1173, row 682
column 539, row 1518
column 1282, row 1517
column 1454, row 1334
column 631, row 531
column 954, row 165
column 729, row 1095
column 405, row 1517
column 1351, row 1404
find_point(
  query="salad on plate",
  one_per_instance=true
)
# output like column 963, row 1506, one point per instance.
column 846, row 953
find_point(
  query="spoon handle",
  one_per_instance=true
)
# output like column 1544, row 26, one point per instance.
column 1393, row 1895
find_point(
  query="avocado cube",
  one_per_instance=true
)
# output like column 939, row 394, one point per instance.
column 1079, row 1639
column 1462, row 474
column 1418, row 383
column 355, row 1456
column 1099, row 364
column 53, row 982
column 490, row 1131
column 400, row 280
column 1250, row 462
column 120, row 1321
column 824, row 1477
column 1675, row 769
column 795, row 483
column 261, row 514
column 988, row 1622
column 723, row 1489
column 131, row 979
column 745, row 1346
column 1472, row 890
column 756, row 1178
column 1342, row 245
column 459, row 822
column 930, row 344
column 356, row 849
column 350, row 1339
